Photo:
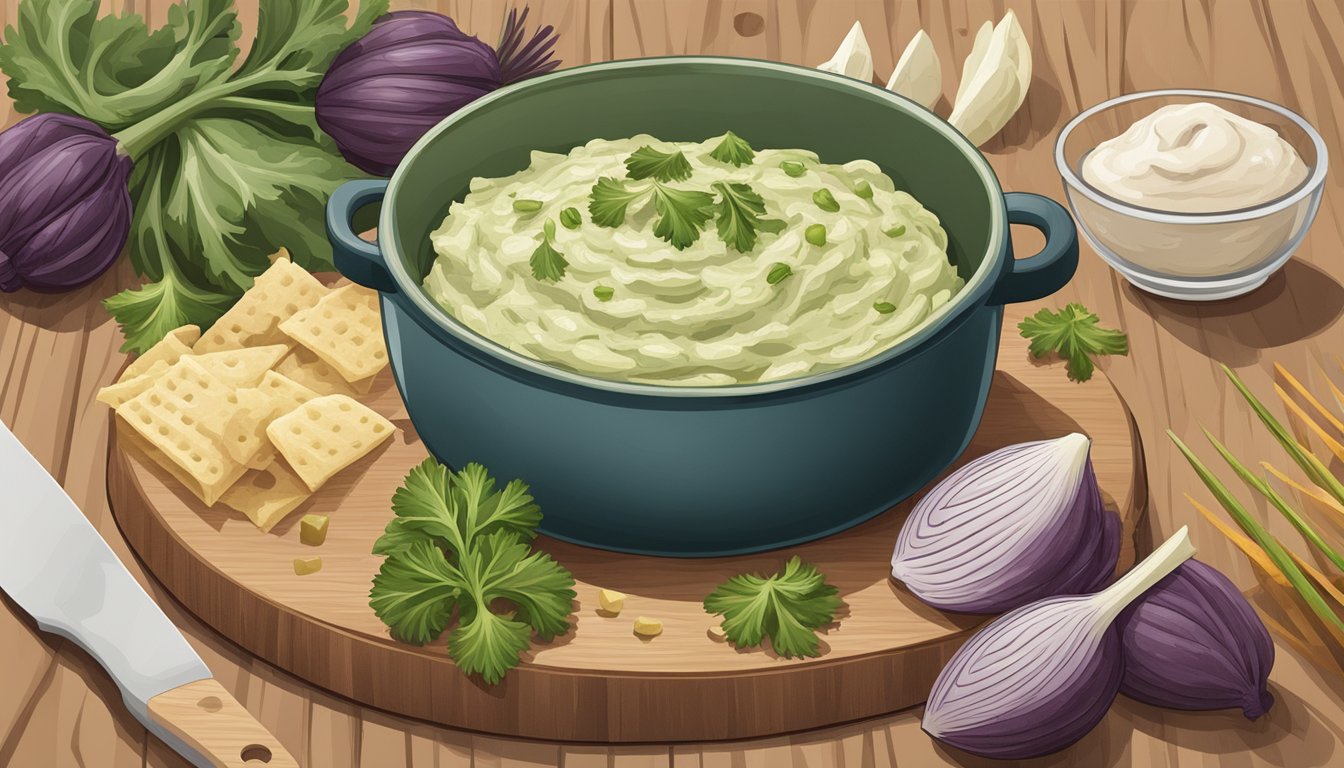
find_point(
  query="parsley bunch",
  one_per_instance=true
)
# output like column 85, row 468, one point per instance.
column 229, row 161
column 786, row 607
column 457, row 546
column 1073, row 334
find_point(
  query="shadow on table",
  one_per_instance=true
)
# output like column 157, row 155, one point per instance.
column 75, row 310
column 1222, row 732
column 1298, row 302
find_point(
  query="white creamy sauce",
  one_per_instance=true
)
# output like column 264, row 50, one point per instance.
column 1195, row 158
column 706, row 314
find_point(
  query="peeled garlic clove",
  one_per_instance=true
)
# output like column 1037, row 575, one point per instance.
column 972, row 64
column 1016, row 525
column 919, row 74
column 853, row 58
column 1041, row 677
column 1193, row 642
column 994, row 81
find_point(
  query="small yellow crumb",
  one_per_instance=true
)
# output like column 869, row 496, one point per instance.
column 313, row 529
column 306, row 565
column 647, row 627
column 610, row 600
column 717, row 634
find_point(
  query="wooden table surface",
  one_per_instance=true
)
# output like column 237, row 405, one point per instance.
column 57, row 708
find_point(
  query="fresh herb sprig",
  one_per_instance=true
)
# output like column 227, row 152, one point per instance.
column 733, row 150
column 546, row 262
column 1073, row 333
column 229, row 162
column 682, row 213
column 647, row 162
column 457, row 547
column 787, row 607
column 740, row 214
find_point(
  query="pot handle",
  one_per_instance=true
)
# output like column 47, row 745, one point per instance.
column 355, row 257
column 1038, row 276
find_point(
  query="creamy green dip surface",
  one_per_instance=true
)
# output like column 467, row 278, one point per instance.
column 632, row 307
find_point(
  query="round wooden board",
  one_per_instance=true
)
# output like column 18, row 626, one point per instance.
column 600, row 682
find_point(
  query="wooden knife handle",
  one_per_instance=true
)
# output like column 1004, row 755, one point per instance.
column 212, row 722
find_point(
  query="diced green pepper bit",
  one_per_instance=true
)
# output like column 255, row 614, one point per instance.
column 825, row 200
column 526, row 206
column 778, row 272
column 864, row 189
column 571, row 218
column 896, row 231
column 885, row 307
column 792, row 168
column 604, row 292
column 815, row 234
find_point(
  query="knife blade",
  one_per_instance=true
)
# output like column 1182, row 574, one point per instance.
column 60, row 571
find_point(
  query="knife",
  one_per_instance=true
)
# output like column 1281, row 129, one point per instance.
column 61, row 572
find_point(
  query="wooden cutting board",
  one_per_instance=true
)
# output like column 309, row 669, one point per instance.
column 600, row 682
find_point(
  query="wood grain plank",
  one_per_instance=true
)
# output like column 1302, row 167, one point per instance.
column 1083, row 52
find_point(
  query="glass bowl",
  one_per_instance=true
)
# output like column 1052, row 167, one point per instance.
column 1192, row 256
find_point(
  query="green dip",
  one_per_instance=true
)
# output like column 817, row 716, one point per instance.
column 843, row 266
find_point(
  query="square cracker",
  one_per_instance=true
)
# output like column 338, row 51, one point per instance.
column 306, row 368
column 167, row 416
column 168, row 350
column 267, row 495
column 118, row 393
column 345, row 329
column 327, row 434
column 242, row 367
column 283, row 289
column 285, row 393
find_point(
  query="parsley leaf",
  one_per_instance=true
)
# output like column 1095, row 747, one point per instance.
column 609, row 199
column 733, row 150
column 739, row 213
column 787, row 607
column 546, row 262
column 682, row 214
column 1074, row 335
column 647, row 162
column 457, row 546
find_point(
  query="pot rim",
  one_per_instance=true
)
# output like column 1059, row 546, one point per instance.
column 972, row 296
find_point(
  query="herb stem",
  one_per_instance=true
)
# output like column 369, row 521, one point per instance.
column 139, row 138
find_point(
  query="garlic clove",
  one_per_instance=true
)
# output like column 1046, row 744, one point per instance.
column 919, row 73
column 1194, row 642
column 972, row 64
column 853, row 58
column 994, row 83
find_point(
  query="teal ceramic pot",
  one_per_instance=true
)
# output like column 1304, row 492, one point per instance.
column 696, row 472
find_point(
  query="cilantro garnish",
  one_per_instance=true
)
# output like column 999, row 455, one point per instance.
column 609, row 199
column 787, row 607
column 1074, row 335
column 739, row 213
column 456, row 547
column 682, row 213
column 647, row 162
column 733, row 150
column 546, row 262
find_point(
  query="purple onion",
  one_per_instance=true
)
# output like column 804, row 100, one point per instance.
column 1193, row 642
column 65, row 210
column 1019, row 524
column 1039, row 678
column 410, row 71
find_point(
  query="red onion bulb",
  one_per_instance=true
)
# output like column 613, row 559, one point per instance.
column 65, row 210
